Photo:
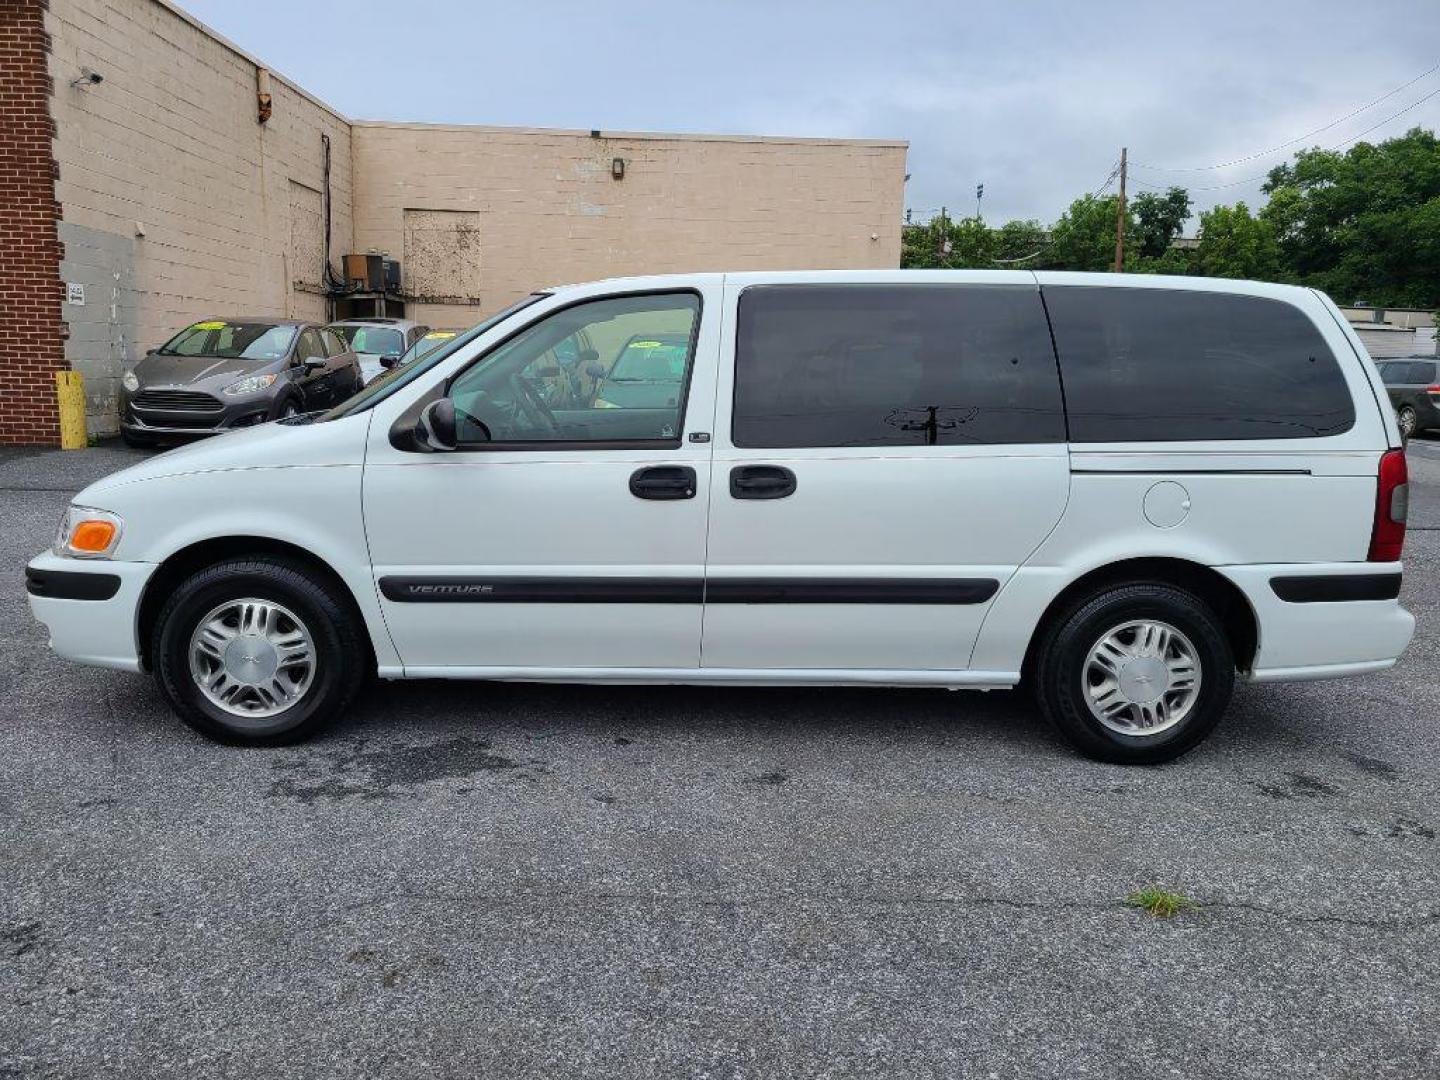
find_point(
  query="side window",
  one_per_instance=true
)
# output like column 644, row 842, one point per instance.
column 310, row 346
column 894, row 365
column 573, row 377
column 1163, row 365
column 333, row 345
column 1422, row 373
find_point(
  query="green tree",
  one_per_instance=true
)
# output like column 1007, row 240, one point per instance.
column 1159, row 220
column 1018, row 240
column 947, row 244
column 1362, row 224
column 1236, row 244
column 1171, row 261
column 1084, row 237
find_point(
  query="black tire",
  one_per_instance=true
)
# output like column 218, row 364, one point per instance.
column 341, row 650
column 1059, row 671
column 1408, row 420
column 291, row 406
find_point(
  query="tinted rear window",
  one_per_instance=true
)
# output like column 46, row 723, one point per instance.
column 1160, row 365
column 881, row 365
column 1420, row 371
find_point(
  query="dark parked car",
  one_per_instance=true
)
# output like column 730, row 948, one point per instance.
column 648, row 373
column 1414, row 391
column 220, row 374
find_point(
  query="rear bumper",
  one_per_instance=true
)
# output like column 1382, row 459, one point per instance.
column 89, row 607
column 1315, row 635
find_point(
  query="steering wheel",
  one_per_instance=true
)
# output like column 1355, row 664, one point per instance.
column 534, row 403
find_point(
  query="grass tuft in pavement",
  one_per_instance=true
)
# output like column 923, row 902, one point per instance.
column 1161, row 903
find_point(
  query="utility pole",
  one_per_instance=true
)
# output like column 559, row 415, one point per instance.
column 1120, row 220
column 979, row 194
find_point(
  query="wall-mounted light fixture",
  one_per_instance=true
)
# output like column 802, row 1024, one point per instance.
column 87, row 79
column 617, row 168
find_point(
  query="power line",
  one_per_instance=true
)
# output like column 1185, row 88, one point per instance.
column 1299, row 138
column 1332, row 146
column 1110, row 179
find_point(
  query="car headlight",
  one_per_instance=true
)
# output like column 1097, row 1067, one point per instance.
column 130, row 382
column 253, row 385
column 87, row 533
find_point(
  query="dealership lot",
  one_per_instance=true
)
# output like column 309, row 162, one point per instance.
column 501, row 880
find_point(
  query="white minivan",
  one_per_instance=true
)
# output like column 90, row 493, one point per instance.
column 1119, row 490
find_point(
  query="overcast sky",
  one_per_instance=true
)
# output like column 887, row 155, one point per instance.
column 1033, row 99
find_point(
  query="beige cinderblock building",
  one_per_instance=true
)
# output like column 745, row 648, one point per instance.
column 180, row 196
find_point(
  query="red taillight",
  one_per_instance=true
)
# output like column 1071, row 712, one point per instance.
column 1392, row 502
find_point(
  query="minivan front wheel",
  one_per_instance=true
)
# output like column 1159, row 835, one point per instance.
column 257, row 652
column 1135, row 674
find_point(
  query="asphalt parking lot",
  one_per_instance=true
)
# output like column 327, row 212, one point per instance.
column 507, row 880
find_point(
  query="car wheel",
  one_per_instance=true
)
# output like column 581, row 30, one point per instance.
column 290, row 408
column 258, row 652
column 1407, row 420
column 1136, row 674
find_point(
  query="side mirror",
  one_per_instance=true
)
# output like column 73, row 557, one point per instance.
column 435, row 427
column 595, row 371
column 313, row 363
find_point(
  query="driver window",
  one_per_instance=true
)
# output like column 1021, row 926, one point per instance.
column 614, row 369
column 310, row 347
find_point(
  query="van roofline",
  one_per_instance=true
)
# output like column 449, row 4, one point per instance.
column 895, row 276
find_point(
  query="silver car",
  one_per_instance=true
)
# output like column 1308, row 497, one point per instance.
column 219, row 374
column 379, row 343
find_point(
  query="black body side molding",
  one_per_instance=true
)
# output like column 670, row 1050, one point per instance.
column 621, row 590
column 1329, row 589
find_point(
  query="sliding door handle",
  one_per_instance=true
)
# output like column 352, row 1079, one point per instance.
column 761, row 482
column 663, row 482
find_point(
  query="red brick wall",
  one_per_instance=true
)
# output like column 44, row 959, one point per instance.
column 32, row 341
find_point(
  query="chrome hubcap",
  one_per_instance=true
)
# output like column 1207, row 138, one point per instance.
column 1142, row 677
column 252, row 658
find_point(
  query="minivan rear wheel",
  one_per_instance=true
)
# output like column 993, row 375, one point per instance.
column 257, row 652
column 1135, row 674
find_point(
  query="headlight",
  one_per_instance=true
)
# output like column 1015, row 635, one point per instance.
column 130, row 382
column 87, row 533
column 253, row 385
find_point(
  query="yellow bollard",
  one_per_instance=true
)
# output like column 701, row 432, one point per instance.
column 70, row 396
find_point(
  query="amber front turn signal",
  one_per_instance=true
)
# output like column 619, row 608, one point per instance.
column 93, row 536
column 87, row 533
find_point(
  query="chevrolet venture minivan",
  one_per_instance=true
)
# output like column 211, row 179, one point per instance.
column 1122, row 492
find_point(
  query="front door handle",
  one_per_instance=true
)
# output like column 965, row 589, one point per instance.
column 663, row 482
column 761, row 482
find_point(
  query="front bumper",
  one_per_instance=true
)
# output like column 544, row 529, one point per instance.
column 1322, row 638
column 90, row 607
column 191, row 423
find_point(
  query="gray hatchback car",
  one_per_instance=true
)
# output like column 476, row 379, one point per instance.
column 220, row 374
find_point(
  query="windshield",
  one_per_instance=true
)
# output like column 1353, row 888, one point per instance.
column 660, row 358
column 377, row 390
column 231, row 340
column 374, row 340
